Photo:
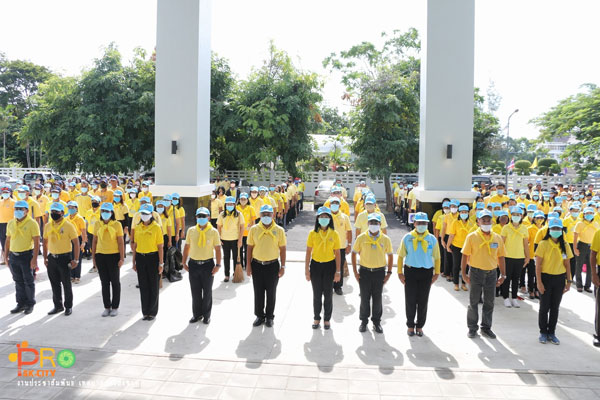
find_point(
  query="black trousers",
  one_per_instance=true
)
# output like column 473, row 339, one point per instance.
column 573, row 262
column 22, row 274
column 148, row 279
column 583, row 258
column 109, row 272
column 76, row 272
column 338, row 285
column 201, row 282
column 88, row 245
column 321, row 278
column 550, row 302
column 3, row 234
column 456, row 262
column 264, row 281
column 597, row 318
column 416, row 294
column 59, row 274
column 371, row 288
column 244, row 251
column 213, row 222
column 513, row 273
column 529, row 271
column 448, row 264
column 230, row 252
column 442, row 256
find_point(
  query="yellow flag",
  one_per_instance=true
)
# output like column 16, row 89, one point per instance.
column 534, row 165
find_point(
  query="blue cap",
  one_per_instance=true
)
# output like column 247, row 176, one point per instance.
column 531, row 207
column 521, row 206
column 502, row 213
column 254, row 189
column 591, row 204
column 23, row 188
column 553, row 215
column 229, row 199
column 495, row 205
column 107, row 207
column 588, row 210
column 56, row 206
column 454, row 202
column 485, row 213
column 118, row 193
column 463, row 208
column 364, row 191
column 146, row 209
column 574, row 206
column 323, row 210
column 446, row 204
column 558, row 209
column 146, row 199
column 263, row 189
column 175, row 196
column 555, row 223
column 159, row 203
column 21, row 204
column 72, row 204
column 72, row 184
column 596, row 198
column 266, row 208
column 512, row 196
column 370, row 200
column 516, row 210
column 167, row 197
column 96, row 199
column 480, row 206
column 421, row 217
column 523, row 191
column 539, row 214
column 243, row 195
column 202, row 210
column 374, row 217
column 133, row 190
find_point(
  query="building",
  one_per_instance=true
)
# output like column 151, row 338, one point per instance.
column 558, row 146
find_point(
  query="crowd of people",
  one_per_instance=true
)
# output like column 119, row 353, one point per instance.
column 506, row 243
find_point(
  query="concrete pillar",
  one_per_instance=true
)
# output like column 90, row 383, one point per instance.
column 182, row 102
column 447, row 102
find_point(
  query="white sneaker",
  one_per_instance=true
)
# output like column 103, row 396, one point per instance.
column 507, row 303
column 106, row 312
column 515, row 303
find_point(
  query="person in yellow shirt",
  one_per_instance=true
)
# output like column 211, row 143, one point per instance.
column 179, row 213
column 344, row 206
column 145, row 190
column 418, row 269
column 106, row 195
column 502, row 219
column 60, row 237
column 231, row 225
column 35, row 211
column 113, row 182
column 221, row 194
column 20, row 250
column 484, row 252
column 148, row 259
column 262, row 192
column 73, row 192
column 583, row 235
column 569, row 222
column 108, row 253
column 216, row 208
column 301, row 189
column 256, row 202
column 202, row 246
column 412, row 200
column 7, row 210
column 167, row 227
column 500, row 195
column 121, row 211
column 91, row 218
column 54, row 198
column 532, row 230
column 517, row 256
column 359, row 191
column 133, row 204
column 447, row 221
column 84, row 200
column 595, row 271
column 437, row 232
column 266, row 246
column 362, row 220
column 553, row 278
column 322, row 265
column 250, row 217
column 457, row 234
column 341, row 223
column 375, row 250
column 79, row 223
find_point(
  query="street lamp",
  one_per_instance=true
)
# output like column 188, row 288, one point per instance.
column 507, row 148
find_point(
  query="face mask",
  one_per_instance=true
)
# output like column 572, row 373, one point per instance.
column 453, row 210
column 556, row 234
column 202, row 221
column 485, row 228
column 536, row 198
column 464, row 216
column 266, row 220
column 589, row 217
column 324, row 222
column 95, row 205
column 229, row 208
column 500, row 191
column 117, row 199
column 94, row 187
column 132, row 195
column 446, row 210
column 271, row 189
column 5, row 195
column 105, row 215
column 19, row 214
column 374, row 229
column 493, row 192
column 84, row 190
column 335, row 207
column 576, row 197
column 212, row 196
column 145, row 190
column 421, row 228
column 146, row 217
column 530, row 215
column 523, row 196
column 370, row 208
column 175, row 202
column 558, row 201
column 21, row 195
column 516, row 219
column 72, row 211
column 103, row 185
column 55, row 196
column 546, row 198
column 160, row 210
column 496, row 214
column 55, row 216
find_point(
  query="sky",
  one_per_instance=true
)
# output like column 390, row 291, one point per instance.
column 536, row 52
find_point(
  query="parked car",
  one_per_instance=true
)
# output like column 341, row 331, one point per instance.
column 322, row 193
column 481, row 179
column 5, row 179
column 31, row 178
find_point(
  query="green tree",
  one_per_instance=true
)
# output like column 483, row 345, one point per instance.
column 548, row 166
column 485, row 131
column 523, row 167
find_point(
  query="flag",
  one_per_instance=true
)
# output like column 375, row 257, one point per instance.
column 534, row 165
column 511, row 166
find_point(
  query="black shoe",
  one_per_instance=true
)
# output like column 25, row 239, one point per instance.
column 28, row 310
column 226, row 279
column 327, row 326
column 206, row 321
column 55, row 310
column 258, row 321
column 194, row 320
column 150, row 318
column 68, row 311
column 596, row 342
column 410, row 333
column 362, row 327
column 269, row 323
column 145, row 318
column 420, row 333
column 17, row 309
column 316, row 326
column 137, row 286
column 339, row 291
column 377, row 327
column 587, row 289
column 472, row 334
column 488, row 332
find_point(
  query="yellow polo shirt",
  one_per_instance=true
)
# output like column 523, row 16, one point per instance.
column 362, row 221
column 215, row 206
column 43, row 201
column 344, row 206
column 148, row 237
column 107, row 234
column 34, row 208
column 85, row 204
column 92, row 217
column 413, row 200
column 460, row 229
column 541, row 234
column 73, row 194
column 78, row 221
column 373, row 251
column 513, row 245
column 448, row 219
column 342, row 225
column 230, row 226
column 121, row 210
column 106, row 196
column 483, row 251
column 59, row 236
column 596, row 242
column 532, row 231
column 7, row 210
column 165, row 224
column 249, row 216
column 266, row 241
column 204, row 250
column 586, row 231
column 257, row 203
column 21, row 234
column 569, row 223
column 323, row 244
column 553, row 257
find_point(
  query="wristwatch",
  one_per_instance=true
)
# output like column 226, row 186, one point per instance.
column 570, row 281
column 337, row 272
column 282, row 267
column 389, row 272
column 217, row 265
column 503, row 276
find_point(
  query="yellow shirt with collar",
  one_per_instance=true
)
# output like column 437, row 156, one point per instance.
column 21, row 234
column 553, row 257
column 586, row 231
column 344, row 206
column 249, row 216
column 460, row 229
column 266, row 245
column 257, row 203
column 513, row 245
column 84, row 203
column 323, row 244
column 60, row 243
column 373, row 251
column 205, row 252
column 569, row 223
column 7, row 210
column 92, row 217
column 215, row 206
column 34, row 208
column 230, row 226
column 342, row 225
column 148, row 238
column 121, row 210
column 78, row 221
column 362, row 221
column 106, row 243
column 483, row 251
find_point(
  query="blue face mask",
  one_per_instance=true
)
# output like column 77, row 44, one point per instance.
column 229, row 208
column 175, row 202
column 72, row 211
column 84, row 190
column 464, row 216
column 335, row 207
column 536, row 197
column 106, row 215
column 421, row 228
column 589, row 217
column 266, row 220
column 516, row 219
column 324, row 222
column 500, row 191
column 575, row 214
column 19, row 214
column 202, row 221
column 160, row 210
column 496, row 214
column 556, row 234
column 117, row 199
column 21, row 195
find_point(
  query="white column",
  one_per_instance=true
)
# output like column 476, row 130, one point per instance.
column 447, row 101
column 182, row 101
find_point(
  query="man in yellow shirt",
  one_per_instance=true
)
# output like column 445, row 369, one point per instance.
column 595, row 272
column 7, row 211
column 457, row 234
column 376, row 253
column 500, row 196
column 362, row 221
column 344, row 206
column 35, row 211
column 341, row 223
column 202, row 243
column 483, row 251
column 22, row 246
column 266, row 246
column 583, row 235
column 301, row 189
column 60, row 237
column 77, row 220
column 73, row 192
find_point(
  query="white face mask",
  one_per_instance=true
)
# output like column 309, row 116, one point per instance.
column 145, row 189
column 146, row 217
column 453, row 210
column 374, row 229
column 446, row 210
column 486, row 228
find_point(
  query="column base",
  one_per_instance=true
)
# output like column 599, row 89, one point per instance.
column 183, row 190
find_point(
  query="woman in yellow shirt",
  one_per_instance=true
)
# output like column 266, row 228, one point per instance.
column 516, row 244
column 322, row 265
column 167, row 227
column 553, row 274
column 537, row 219
column 216, row 208
column 79, row 222
column 108, row 252
column 582, row 239
column 221, row 194
column 230, row 225
column 179, row 217
column 121, row 211
column 457, row 234
column 250, row 217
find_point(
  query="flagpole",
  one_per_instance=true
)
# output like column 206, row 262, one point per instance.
column 507, row 147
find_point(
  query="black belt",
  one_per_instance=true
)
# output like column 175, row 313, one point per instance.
column 146, row 254
column 59, row 255
column 265, row 262
column 21, row 253
column 408, row 266
column 372, row 269
column 201, row 262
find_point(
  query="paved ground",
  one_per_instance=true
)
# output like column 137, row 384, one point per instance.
column 125, row 357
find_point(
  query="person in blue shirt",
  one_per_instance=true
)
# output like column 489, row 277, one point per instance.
column 418, row 269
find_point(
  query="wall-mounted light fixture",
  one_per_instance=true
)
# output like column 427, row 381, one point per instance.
column 449, row 151
column 173, row 146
